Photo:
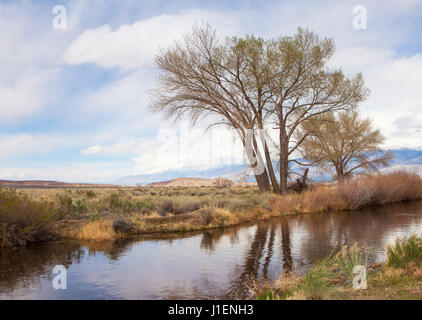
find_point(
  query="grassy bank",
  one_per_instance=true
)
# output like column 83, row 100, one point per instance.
column 99, row 214
column 400, row 277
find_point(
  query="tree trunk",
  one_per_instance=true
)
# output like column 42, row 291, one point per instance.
column 263, row 182
column 340, row 173
column 284, row 162
column 271, row 173
column 284, row 169
column 261, row 179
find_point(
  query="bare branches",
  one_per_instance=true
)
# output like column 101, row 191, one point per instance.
column 251, row 83
column 346, row 143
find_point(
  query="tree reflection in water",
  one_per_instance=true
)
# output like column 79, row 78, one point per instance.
column 209, row 264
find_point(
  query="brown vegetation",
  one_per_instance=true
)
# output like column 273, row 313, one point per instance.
column 24, row 221
column 363, row 191
column 96, row 230
column 30, row 215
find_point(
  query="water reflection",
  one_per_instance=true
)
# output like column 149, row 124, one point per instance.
column 211, row 264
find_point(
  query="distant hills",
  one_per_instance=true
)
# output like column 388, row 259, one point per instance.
column 232, row 172
column 406, row 159
column 184, row 182
column 50, row 184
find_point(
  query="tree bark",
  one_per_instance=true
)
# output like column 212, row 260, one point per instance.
column 271, row 173
column 284, row 162
column 261, row 179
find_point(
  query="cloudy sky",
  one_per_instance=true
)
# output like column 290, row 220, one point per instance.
column 74, row 101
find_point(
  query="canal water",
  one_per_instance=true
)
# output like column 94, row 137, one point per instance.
column 203, row 265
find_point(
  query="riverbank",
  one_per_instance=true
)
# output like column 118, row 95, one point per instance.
column 35, row 215
column 400, row 277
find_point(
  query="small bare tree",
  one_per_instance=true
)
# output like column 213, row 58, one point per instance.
column 343, row 142
column 223, row 183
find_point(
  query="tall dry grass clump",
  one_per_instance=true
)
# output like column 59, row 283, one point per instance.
column 362, row 191
column 382, row 189
column 97, row 230
column 24, row 221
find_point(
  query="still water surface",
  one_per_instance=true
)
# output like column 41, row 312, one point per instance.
column 210, row 264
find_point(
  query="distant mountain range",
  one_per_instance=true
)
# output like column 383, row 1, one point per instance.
column 232, row 172
column 407, row 159
column 50, row 184
column 407, row 156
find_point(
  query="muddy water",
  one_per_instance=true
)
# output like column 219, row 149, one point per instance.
column 210, row 264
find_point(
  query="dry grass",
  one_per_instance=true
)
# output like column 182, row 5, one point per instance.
column 96, row 230
column 355, row 194
column 182, row 209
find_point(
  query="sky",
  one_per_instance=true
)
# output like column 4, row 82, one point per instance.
column 76, row 75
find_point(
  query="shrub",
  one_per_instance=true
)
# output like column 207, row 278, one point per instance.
column 79, row 206
column 123, row 226
column 223, row 218
column 404, row 252
column 91, row 194
column 319, row 278
column 359, row 192
column 24, row 221
column 65, row 203
column 114, row 200
column 349, row 257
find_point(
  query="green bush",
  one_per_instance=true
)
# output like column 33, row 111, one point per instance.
column 348, row 258
column 24, row 221
column 114, row 200
column 404, row 251
column 91, row 194
column 65, row 203
column 319, row 278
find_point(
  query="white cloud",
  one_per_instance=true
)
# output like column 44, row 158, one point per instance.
column 28, row 52
column 171, row 149
column 25, row 96
column 13, row 146
column 395, row 91
column 126, row 147
column 128, row 94
column 135, row 45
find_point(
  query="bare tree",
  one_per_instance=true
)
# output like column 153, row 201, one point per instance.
column 343, row 142
column 250, row 84
column 303, row 88
column 223, row 183
column 199, row 78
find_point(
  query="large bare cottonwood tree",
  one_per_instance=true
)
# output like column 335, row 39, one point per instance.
column 253, row 84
